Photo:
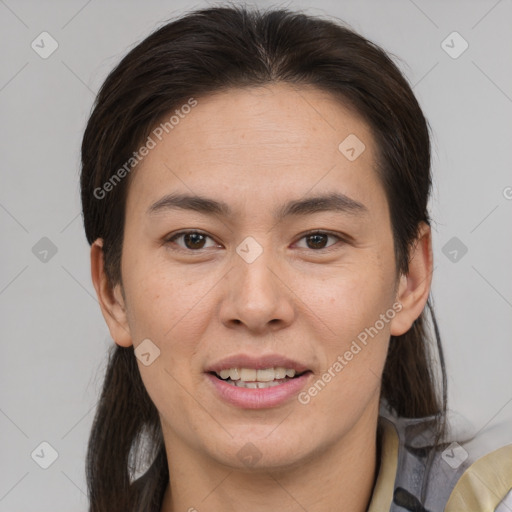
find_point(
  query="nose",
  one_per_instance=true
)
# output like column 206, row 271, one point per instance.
column 257, row 295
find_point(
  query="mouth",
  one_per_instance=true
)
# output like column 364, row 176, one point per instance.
column 262, row 388
column 251, row 378
column 257, row 381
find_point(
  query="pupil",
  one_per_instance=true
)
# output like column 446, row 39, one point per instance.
column 317, row 236
column 188, row 236
column 196, row 238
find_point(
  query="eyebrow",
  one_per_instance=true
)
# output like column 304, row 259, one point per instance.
column 330, row 202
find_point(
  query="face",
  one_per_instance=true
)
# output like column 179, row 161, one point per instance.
column 272, row 279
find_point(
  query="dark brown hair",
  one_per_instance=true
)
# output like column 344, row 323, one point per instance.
column 217, row 49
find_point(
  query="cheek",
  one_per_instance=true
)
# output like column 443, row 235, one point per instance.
column 166, row 308
column 351, row 298
column 354, row 312
column 165, row 300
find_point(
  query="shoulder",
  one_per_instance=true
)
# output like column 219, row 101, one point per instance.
column 468, row 475
column 485, row 485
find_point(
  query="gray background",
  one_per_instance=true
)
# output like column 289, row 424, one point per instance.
column 54, row 339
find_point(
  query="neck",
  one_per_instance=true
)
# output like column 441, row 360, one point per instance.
column 339, row 476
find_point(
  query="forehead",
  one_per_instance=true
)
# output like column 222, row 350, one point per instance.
column 278, row 138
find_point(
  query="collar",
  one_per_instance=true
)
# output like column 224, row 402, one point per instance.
column 382, row 496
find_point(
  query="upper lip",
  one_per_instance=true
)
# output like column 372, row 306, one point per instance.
column 257, row 363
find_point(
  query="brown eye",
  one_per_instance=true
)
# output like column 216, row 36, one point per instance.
column 192, row 240
column 318, row 240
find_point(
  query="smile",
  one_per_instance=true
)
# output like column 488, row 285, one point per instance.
column 251, row 378
column 249, row 392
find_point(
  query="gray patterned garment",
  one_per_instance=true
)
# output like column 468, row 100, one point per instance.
column 471, row 475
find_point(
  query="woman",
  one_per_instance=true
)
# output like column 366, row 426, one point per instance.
column 255, row 191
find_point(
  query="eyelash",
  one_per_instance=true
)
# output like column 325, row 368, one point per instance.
column 305, row 235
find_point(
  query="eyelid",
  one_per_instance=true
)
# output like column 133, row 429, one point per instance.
column 178, row 234
column 332, row 234
column 341, row 238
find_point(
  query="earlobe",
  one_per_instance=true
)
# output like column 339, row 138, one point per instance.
column 110, row 298
column 414, row 288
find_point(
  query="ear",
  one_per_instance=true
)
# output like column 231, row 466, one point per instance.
column 414, row 288
column 111, row 299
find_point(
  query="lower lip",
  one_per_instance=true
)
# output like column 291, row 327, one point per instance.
column 249, row 398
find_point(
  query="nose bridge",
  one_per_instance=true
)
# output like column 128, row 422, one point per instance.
column 256, row 294
column 255, row 282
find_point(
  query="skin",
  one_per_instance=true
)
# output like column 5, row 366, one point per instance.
column 255, row 149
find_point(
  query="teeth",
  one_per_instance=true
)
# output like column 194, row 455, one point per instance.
column 280, row 373
column 252, row 376
column 265, row 375
column 254, row 385
column 248, row 374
